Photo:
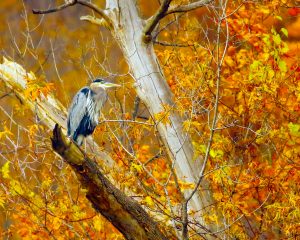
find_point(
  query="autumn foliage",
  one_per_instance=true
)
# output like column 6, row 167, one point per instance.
column 235, row 81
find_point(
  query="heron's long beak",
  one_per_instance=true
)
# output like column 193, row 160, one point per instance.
column 109, row 85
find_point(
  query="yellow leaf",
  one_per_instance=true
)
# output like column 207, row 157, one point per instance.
column 218, row 196
column 5, row 170
column 2, row 201
column 216, row 153
column 46, row 183
column 56, row 223
column 186, row 185
column 149, row 201
column 31, row 194
column 282, row 66
column 5, row 132
column 284, row 31
column 137, row 167
column 17, row 188
column 229, row 61
column 97, row 223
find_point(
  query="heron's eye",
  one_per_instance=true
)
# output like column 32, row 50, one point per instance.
column 98, row 80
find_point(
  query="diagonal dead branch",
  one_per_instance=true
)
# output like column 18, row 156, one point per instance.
column 188, row 7
column 51, row 10
column 74, row 2
column 123, row 212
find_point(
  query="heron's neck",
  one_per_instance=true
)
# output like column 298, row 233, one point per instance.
column 99, row 97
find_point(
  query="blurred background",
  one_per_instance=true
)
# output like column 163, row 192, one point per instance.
column 68, row 53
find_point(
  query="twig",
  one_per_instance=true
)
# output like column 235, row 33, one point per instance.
column 136, row 107
column 158, row 155
column 236, row 220
column 5, row 95
column 177, row 17
column 127, row 121
column 217, row 96
column 51, row 10
column 172, row 44
column 72, row 3
column 220, row 60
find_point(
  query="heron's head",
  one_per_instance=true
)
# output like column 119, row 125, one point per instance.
column 100, row 83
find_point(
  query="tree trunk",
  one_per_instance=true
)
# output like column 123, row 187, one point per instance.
column 153, row 90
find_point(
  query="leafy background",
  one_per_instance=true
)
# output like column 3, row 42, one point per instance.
column 253, row 168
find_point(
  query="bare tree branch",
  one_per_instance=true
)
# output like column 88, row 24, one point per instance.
column 220, row 60
column 188, row 7
column 154, row 20
column 126, row 121
column 72, row 3
column 166, row 44
column 51, row 10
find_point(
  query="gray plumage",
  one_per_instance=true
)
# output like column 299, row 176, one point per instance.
column 85, row 109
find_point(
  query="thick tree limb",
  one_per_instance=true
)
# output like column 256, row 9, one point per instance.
column 72, row 3
column 154, row 20
column 123, row 212
column 188, row 7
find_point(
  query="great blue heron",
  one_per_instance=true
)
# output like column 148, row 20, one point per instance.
column 85, row 109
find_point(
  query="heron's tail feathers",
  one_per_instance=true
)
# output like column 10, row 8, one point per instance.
column 78, row 139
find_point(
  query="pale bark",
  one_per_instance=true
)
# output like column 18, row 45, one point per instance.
column 154, row 91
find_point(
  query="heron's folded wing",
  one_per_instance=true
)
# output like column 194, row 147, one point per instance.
column 77, row 110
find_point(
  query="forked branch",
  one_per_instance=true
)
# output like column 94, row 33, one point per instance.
column 154, row 20
column 164, row 11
